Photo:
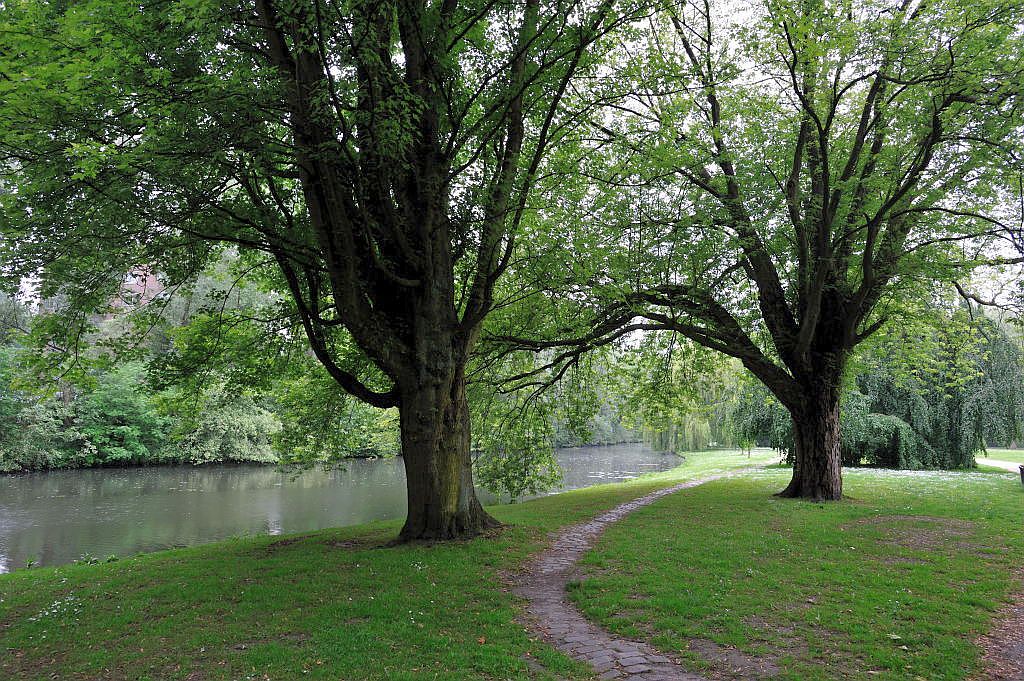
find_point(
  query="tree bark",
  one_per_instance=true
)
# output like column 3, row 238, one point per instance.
column 439, row 472
column 817, row 466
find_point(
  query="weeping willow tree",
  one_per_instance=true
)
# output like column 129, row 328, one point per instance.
column 930, row 395
column 958, row 383
column 680, row 397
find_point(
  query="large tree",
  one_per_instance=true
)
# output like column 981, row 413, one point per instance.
column 772, row 180
column 377, row 155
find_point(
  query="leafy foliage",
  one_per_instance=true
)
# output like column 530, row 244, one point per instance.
column 231, row 428
column 931, row 396
column 320, row 423
column 117, row 422
column 774, row 187
column 515, row 432
column 780, row 182
column 681, row 396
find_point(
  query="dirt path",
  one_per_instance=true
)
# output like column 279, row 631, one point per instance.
column 1003, row 658
column 996, row 463
column 1003, row 646
column 559, row 622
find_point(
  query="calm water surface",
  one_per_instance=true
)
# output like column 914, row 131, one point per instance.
column 58, row 517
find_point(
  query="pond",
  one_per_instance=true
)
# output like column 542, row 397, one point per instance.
column 61, row 516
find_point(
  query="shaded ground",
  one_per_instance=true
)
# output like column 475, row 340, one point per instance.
column 1003, row 645
column 330, row 605
column 899, row 582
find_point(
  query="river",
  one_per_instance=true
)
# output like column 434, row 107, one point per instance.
column 61, row 516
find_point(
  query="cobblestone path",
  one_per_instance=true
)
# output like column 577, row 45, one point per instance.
column 561, row 624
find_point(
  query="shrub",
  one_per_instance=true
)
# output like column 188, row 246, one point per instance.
column 231, row 428
column 117, row 422
column 885, row 441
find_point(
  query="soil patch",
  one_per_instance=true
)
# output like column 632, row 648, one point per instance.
column 920, row 532
column 275, row 546
column 733, row 663
column 1003, row 645
column 292, row 638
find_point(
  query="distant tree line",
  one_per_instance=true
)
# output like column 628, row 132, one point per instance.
column 154, row 385
column 192, row 376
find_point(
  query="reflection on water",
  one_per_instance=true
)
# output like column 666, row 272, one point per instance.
column 57, row 517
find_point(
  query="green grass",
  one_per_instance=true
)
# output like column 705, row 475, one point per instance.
column 894, row 583
column 725, row 562
column 1015, row 455
column 336, row 604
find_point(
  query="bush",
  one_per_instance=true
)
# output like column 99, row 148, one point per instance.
column 34, row 439
column 885, row 441
column 117, row 423
column 33, row 435
column 231, row 428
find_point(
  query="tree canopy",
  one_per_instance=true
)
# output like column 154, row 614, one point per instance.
column 374, row 159
column 775, row 182
column 778, row 182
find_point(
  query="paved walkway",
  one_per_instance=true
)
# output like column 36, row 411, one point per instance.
column 996, row 463
column 561, row 624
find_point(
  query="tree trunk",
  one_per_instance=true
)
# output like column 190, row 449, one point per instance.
column 438, row 467
column 817, row 466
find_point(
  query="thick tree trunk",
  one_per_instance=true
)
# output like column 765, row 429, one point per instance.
column 817, row 466
column 438, row 468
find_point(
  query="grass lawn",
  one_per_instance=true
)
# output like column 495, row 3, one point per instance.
column 893, row 583
column 1015, row 455
column 726, row 563
column 335, row 604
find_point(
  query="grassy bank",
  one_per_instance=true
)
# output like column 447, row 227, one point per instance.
column 339, row 604
column 326, row 605
column 893, row 583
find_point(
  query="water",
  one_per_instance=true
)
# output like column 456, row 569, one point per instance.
column 58, row 517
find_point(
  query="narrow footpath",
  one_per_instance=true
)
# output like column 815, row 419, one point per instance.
column 996, row 463
column 1003, row 646
column 556, row 619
